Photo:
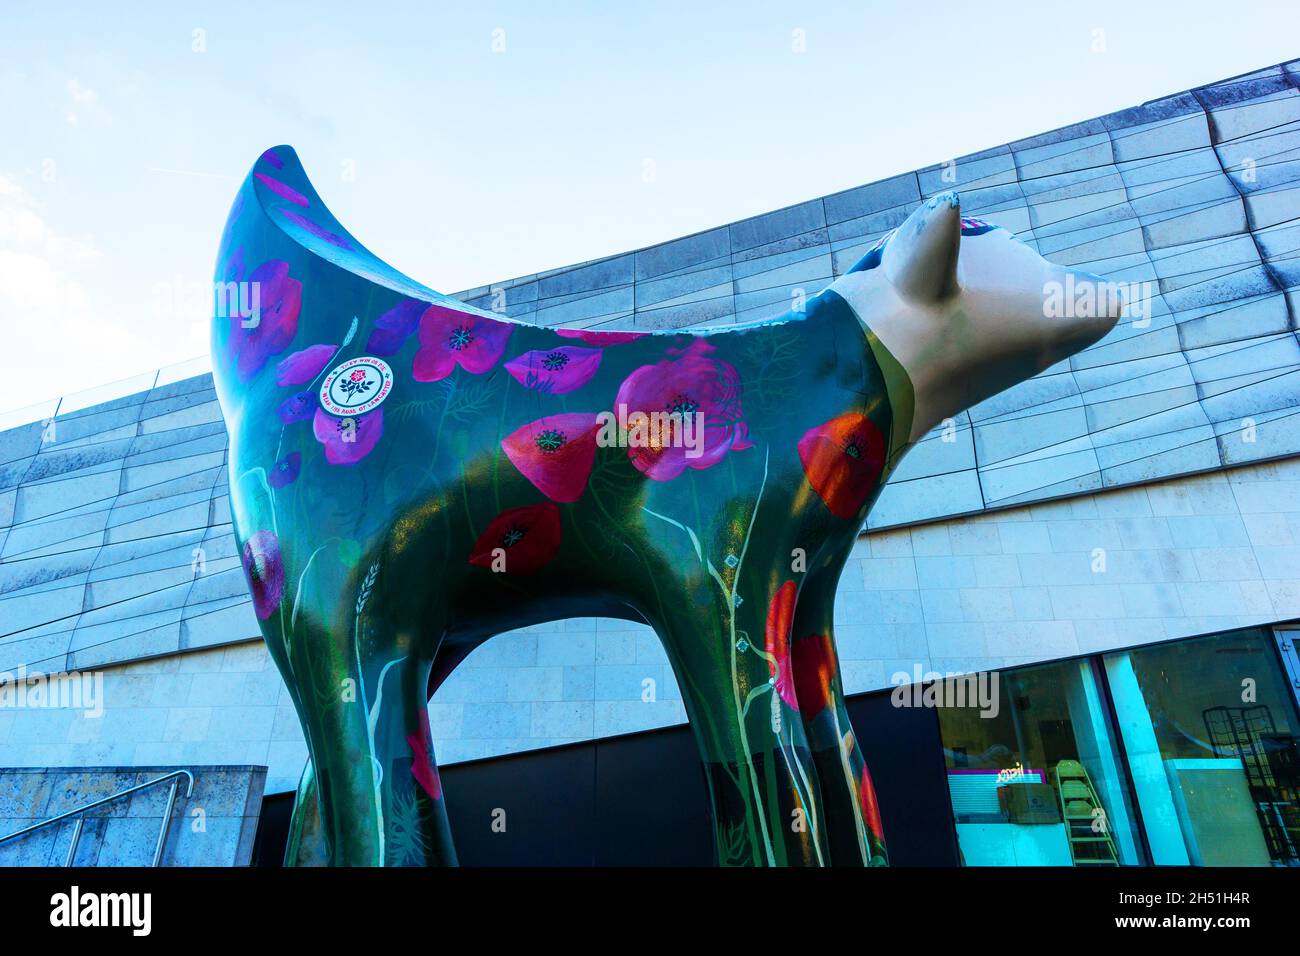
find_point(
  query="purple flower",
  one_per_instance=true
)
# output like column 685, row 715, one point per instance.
column 268, row 332
column 298, row 407
column 283, row 189
column 286, row 470
column 303, row 366
column 264, row 569
column 555, row 371
column 395, row 326
column 348, row 440
column 318, row 231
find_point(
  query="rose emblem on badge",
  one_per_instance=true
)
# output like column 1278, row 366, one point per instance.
column 357, row 386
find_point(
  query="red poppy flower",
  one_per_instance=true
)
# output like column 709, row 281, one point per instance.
column 814, row 669
column 527, row 538
column 449, row 338
column 843, row 459
column 600, row 338
column 870, row 805
column 423, row 768
column 776, row 641
column 555, row 453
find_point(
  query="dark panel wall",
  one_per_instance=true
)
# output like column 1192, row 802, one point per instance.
column 639, row 800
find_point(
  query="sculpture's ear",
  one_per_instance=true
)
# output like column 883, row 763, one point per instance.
column 921, row 258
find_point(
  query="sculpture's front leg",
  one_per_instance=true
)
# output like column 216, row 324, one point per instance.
column 734, row 669
column 854, row 828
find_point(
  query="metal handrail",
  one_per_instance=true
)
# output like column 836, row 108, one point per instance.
column 76, row 831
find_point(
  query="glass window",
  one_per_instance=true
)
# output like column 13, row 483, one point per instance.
column 1033, row 775
column 1209, row 726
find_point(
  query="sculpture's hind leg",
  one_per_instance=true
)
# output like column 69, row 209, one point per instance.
column 853, row 825
column 307, row 845
column 359, row 689
column 733, row 668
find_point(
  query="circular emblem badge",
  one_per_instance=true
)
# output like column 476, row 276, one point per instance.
column 356, row 387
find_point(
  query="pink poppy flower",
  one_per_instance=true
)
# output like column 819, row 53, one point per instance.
column 283, row 190
column 600, row 338
column 555, row 371
column 449, row 338
column 303, row 366
column 320, row 232
column 395, row 326
column 555, row 453
column 776, row 641
column 687, row 385
column 348, row 440
column 254, row 339
column 264, row 569
column 526, row 539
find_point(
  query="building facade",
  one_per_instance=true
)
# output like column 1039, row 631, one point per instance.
column 1118, row 538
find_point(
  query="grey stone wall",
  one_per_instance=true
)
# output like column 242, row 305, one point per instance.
column 214, row 826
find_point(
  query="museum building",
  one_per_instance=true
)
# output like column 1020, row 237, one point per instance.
column 1068, row 631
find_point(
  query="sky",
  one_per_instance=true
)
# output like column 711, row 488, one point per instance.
column 473, row 142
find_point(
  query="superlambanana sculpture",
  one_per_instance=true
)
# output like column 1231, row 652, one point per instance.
column 410, row 476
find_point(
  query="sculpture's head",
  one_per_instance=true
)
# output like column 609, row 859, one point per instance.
column 968, row 310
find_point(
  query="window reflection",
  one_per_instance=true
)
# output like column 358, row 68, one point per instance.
column 1036, row 781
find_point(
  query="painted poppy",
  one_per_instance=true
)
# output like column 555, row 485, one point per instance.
column 776, row 641
column 599, row 338
column 694, row 385
column 348, row 440
column 255, row 338
column 285, row 471
column 449, row 338
column 283, row 190
column 555, row 453
column 297, row 408
column 423, row 768
column 870, row 805
column 264, row 569
column 395, row 326
column 320, row 232
column 842, row 460
column 524, row 539
column 304, row 365
column 555, row 371
column 814, row 670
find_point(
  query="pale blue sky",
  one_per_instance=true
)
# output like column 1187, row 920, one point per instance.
column 121, row 147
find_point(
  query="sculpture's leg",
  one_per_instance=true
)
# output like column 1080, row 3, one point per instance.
column 306, row 845
column 763, row 787
column 376, row 786
column 854, row 830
